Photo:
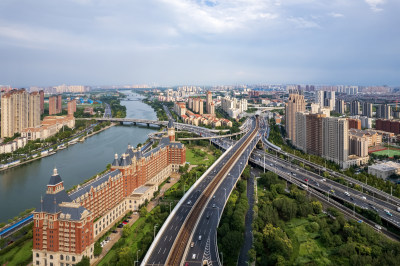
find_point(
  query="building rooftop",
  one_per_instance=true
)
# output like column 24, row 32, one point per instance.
column 386, row 166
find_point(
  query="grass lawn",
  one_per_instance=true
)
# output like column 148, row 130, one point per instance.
column 19, row 255
column 390, row 153
column 198, row 156
column 306, row 244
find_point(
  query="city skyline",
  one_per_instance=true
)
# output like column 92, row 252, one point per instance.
column 173, row 42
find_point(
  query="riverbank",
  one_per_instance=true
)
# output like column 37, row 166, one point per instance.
column 61, row 146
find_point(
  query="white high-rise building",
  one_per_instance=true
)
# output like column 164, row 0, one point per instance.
column 335, row 139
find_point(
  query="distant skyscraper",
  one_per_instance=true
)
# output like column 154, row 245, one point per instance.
column 71, row 107
column 335, row 139
column 367, row 109
column 41, row 93
column 208, row 102
column 53, row 105
column 340, row 106
column 384, row 111
column 34, row 110
column 59, row 103
column 296, row 103
column 355, row 108
column 325, row 99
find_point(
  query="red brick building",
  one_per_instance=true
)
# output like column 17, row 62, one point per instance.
column 66, row 226
column 354, row 123
column 388, row 125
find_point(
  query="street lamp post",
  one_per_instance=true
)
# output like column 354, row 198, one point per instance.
column 170, row 207
column 154, row 231
column 137, row 256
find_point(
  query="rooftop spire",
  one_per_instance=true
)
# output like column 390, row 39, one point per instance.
column 55, row 171
column 116, row 156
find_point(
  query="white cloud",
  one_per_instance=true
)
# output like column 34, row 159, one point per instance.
column 304, row 23
column 220, row 16
column 336, row 15
column 375, row 4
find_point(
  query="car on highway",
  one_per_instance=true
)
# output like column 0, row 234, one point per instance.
column 214, row 205
column 324, row 179
column 347, row 194
column 305, row 179
column 192, row 244
column 332, row 191
column 193, row 256
column 199, row 237
column 378, row 227
column 189, row 202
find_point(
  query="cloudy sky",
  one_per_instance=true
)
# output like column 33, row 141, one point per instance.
column 204, row 42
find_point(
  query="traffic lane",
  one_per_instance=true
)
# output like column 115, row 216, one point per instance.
column 340, row 192
column 384, row 204
column 161, row 256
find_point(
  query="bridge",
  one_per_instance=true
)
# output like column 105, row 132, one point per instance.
column 204, row 199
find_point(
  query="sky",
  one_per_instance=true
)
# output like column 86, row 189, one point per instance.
column 199, row 42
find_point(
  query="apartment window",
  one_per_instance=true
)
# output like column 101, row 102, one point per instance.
column 67, row 258
column 51, row 257
column 73, row 258
column 37, row 262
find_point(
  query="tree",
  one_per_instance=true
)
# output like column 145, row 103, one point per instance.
column 126, row 231
column 97, row 249
column 84, row 262
column 143, row 212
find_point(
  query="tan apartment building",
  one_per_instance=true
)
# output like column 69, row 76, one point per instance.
column 296, row 103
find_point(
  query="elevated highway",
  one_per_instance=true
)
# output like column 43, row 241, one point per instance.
column 171, row 242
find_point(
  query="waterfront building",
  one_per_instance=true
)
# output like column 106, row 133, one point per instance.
column 66, row 225
column 19, row 110
column 296, row 103
column 367, row 109
column 50, row 126
column 71, row 107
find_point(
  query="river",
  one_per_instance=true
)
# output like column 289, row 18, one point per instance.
column 21, row 187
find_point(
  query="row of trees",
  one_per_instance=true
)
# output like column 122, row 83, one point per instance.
column 348, row 242
column 232, row 225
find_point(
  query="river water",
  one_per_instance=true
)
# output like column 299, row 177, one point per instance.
column 21, row 187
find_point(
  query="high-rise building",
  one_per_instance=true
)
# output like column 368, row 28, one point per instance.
column 14, row 112
column 309, row 132
column 59, row 103
column 367, row 109
column 340, row 106
column 335, row 139
column 358, row 145
column 34, row 110
column 325, row 99
column 41, row 93
column 296, row 103
column 384, row 111
column 71, row 107
column 208, row 102
column 53, row 105
column 355, row 108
